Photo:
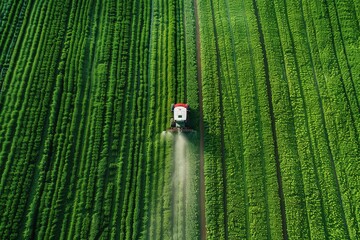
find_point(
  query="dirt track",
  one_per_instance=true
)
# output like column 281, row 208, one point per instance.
column 201, row 127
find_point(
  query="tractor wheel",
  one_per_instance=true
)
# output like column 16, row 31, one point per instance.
column 172, row 107
column 172, row 122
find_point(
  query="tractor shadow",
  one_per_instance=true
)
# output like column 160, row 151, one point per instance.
column 195, row 124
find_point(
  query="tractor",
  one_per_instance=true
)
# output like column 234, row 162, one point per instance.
column 180, row 120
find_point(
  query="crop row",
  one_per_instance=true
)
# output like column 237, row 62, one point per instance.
column 280, row 98
column 339, row 92
column 16, row 12
column 28, row 98
column 315, row 103
column 171, row 213
column 247, row 168
column 88, row 90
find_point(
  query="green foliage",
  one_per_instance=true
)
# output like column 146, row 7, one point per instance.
column 85, row 91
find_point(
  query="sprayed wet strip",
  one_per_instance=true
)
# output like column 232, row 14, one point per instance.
column 180, row 179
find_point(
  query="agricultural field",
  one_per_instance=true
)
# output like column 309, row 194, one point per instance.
column 85, row 95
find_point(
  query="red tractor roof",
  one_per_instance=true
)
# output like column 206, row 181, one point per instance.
column 185, row 105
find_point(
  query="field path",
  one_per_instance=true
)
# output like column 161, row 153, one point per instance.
column 201, row 127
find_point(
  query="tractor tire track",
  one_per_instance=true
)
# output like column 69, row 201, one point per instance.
column 347, row 64
column 326, row 129
column 273, row 127
column 306, row 113
column 240, row 120
column 201, row 125
column 336, row 28
column 258, row 115
column 323, row 122
column 221, row 108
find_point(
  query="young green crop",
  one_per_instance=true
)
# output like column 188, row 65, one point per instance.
column 86, row 88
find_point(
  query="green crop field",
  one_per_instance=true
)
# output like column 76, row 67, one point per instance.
column 85, row 95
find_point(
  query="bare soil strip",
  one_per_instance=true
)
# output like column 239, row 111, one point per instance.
column 201, row 127
column 271, row 109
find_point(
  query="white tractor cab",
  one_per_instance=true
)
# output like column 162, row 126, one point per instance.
column 179, row 121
